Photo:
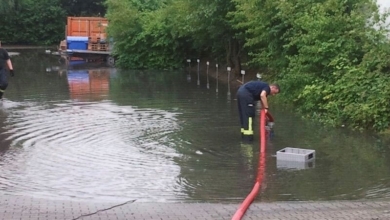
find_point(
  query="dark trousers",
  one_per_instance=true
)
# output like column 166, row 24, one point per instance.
column 247, row 111
column 3, row 82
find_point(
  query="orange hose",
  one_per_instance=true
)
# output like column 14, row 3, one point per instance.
column 260, row 170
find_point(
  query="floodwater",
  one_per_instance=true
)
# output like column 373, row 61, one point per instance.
column 96, row 132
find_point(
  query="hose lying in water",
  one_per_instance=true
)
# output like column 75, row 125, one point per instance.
column 260, row 170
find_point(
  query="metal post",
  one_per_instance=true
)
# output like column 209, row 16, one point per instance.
column 217, row 77
column 189, row 64
column 198, row 71
column 243, row 74
column 258, row 76
column 228, row 93
column 189, row 70
column 208, row 84
column 229, row 69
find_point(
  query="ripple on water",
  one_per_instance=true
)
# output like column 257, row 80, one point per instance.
column 91, row 150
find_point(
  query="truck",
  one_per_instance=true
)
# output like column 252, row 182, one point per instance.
column 86, row 38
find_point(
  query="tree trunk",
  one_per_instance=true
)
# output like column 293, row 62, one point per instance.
column 233, row 57
column 236, row 58
column 228, row 54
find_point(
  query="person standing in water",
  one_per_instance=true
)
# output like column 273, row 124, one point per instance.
column 5, row 60
column 247, row 94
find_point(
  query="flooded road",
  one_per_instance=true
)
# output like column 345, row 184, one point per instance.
column 95, row 132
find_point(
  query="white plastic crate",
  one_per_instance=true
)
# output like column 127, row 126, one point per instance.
column 295, row 154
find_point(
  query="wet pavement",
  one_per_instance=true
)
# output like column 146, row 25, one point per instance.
column 28, row 208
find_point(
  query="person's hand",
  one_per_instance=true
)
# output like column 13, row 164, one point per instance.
column 11, row 72
column 266, row 110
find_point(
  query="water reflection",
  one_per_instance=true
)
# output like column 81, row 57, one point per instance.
column 89, row 84
column 4, row 138
column 90, row 150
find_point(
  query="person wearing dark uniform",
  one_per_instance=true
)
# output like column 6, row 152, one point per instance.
column 247, row 95
column 5, row 60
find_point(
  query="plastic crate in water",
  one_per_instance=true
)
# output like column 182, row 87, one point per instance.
column 295, row 154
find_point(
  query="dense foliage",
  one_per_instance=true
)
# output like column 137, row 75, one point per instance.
column 83, row 7
column 32, row 22
column 162, row 34
column 330, row 56
column 142, row 34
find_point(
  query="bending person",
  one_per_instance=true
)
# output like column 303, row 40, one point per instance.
column 247, row 94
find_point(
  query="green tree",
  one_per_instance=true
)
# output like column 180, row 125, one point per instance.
column 33, row 22
column 9, row 6
column 331, row 56
column 152, row 34
column 208, row 26
column 264, row 33
column 142, row 34
column 84, row 7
